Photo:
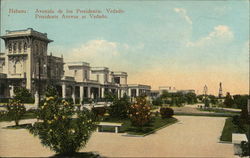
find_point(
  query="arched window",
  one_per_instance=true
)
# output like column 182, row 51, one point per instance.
column 19, row 47
column 14, row 47
column 37, row 49
column 25, row 47
column 10, row 47
column 14, row 69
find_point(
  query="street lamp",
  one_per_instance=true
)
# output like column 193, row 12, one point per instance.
column 39, row 79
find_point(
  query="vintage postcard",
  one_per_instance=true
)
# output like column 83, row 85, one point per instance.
column 126, row 78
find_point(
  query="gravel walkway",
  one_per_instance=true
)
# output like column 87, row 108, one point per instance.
column 192, row 136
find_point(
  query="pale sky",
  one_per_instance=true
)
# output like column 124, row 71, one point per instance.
column 185, row 44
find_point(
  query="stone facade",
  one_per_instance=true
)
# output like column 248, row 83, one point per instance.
column 26, row 63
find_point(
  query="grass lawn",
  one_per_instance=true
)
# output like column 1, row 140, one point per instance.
column 154, row 125
column 27, row 115
column 232, row 127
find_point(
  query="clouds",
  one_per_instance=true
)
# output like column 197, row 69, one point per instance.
column 183, row 14
column 220, row 34
column 100, row 52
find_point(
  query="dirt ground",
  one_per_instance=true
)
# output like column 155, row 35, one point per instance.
column 192, row 136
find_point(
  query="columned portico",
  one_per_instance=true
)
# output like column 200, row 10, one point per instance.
column 73, row 94
column 102, row 90
column 11, row 91
column 89, row 93
column 81, row 94
column 63, row 90
column 137, row 92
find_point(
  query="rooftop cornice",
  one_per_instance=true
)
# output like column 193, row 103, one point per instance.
column 26, row 32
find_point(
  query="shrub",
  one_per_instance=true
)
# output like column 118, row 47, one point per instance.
column 23, row 95
column 59, row 130
column 245, row 149
column 99, row 111
column 206, row 103
column 119, row 108
column 157, row 101
column 166, row 112
column 15, row 110
column 139, row 112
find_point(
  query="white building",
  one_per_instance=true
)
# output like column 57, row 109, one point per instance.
column 26, row 63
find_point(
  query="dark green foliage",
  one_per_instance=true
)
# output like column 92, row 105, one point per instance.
column 240, row 102
column 23, row 95
column 245, row 148
column 206, row 102
column 200, row 97
column 166, row 112
column 86, row 100
column 15, row 110
column 178, row 99
column 213, row 99
column 139, row 112
column 99, row 111
column 191, row 98
column 228, row 102
column 157, row 101
column 119, row 107
column 59, row 130
column 234, row 125
column 109, row 96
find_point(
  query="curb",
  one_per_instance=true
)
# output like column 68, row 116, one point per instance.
column 143, row 135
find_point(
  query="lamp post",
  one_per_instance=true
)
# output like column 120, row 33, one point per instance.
column 39, row 79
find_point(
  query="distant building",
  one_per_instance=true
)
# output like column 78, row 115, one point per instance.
column 25, row 59
column 169, row 89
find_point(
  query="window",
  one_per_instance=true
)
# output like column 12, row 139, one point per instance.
column 19, row 47
column 106, row 78
column 10, row 47
column 37, row 49
column 25, row 47
column 85, row 74
column 75, row 72
column 97, row 77
column 117, row 80
column 14, row 47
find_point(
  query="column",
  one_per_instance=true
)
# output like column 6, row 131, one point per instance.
column 63, row 90
column 137, row 92
column 73, row 94
column 119, row 93
column 102, row 89
column 89, row 95
column 11, row 91
column 99, row 92
column 81, row 94
column 129, row 92
column 36, row 99
column 122, row 93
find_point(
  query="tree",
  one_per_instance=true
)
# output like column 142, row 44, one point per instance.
column 206, row 102
column 58, row 129
column 228, row 102
column 23, row 95
column 213, row 99
column 119, row 107
column 109, row 96
column 139, row 112
column 15, row 110
column 240, row 101
column 191, row 98
column 157, row 101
